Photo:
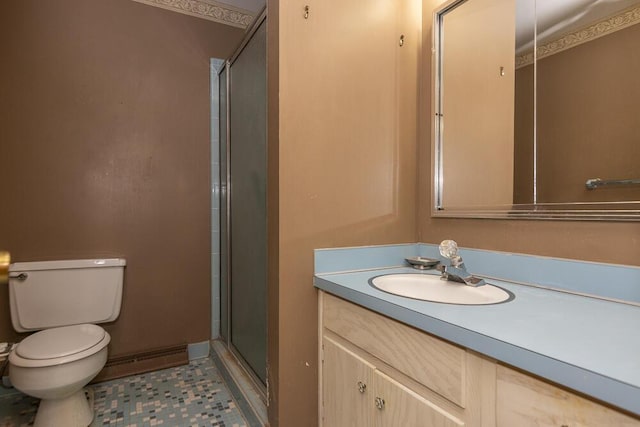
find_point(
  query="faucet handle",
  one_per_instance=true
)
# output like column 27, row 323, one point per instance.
column 449, row 249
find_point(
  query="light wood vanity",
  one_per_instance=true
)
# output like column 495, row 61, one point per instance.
column 526, row 401
column 376, row 371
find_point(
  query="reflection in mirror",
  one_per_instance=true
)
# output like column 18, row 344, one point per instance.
column 588, row 101
column 524, row 118
column 534, row 98
column 477, row 109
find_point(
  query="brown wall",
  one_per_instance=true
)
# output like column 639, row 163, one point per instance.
column 596, row 241
column 588, row 121
column 523, row 136
column 104, row 133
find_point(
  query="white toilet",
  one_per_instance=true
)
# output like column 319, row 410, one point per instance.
column 63, row 300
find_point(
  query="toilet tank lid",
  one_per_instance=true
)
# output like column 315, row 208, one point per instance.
column 66, row 264
column 60, row 342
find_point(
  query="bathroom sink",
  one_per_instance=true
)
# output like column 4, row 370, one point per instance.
column 432, row 288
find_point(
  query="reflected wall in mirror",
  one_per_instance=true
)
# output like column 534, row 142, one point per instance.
column 532, row 100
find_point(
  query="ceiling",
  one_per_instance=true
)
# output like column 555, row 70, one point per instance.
column 254, row 6
column 554, row 17
column 237, row 13
column 558, row 17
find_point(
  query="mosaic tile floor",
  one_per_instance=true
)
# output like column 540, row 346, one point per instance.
column 190, row 395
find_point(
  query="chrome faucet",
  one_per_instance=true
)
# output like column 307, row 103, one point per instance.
column 456, row 272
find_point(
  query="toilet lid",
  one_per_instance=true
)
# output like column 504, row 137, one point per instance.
column 60, row 342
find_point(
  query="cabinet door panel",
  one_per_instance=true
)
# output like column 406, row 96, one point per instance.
column 524, row 401
column 403, row 407
column 344, row 404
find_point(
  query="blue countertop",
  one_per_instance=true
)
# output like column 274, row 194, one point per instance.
column 587, row 344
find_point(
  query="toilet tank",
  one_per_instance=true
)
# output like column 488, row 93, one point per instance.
column 47, row 294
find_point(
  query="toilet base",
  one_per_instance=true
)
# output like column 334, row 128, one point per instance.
column 73, row 411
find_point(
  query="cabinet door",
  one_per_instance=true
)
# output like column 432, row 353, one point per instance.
column 524, row 401
column 397, row 405
column 347, row 389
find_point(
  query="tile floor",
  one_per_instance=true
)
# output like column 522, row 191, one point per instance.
column 190, row 395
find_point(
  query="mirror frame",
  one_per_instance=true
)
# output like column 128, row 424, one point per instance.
column 598, row 211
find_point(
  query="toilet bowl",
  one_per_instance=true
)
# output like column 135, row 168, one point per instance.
column 54, row 365
column 61, row 302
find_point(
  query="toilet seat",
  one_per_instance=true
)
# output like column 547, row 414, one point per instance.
column 61, row 345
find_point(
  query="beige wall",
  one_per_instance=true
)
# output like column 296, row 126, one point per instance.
column 478, row 106
column 104, row 133
column 338, row 177
column 595, row 241
column 347, row 166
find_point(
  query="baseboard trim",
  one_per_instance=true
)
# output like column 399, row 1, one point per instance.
column 138, row 363
column 198, row 350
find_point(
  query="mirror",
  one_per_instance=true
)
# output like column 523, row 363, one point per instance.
column 537, row 109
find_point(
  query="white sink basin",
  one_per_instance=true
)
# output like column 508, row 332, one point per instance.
column 431, row 288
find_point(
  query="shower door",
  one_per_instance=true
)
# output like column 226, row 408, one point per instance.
column 246, row 173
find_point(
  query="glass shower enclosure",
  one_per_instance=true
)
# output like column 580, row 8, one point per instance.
column 243, row 170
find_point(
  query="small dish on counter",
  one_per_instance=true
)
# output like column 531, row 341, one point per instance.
column 422, row 263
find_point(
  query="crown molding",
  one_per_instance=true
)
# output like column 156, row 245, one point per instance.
column 602, row 28
column 206, row 9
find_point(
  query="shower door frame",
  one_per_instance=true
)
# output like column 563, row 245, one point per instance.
column 225, row 195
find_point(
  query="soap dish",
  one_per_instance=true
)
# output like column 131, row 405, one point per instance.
column 422, row 263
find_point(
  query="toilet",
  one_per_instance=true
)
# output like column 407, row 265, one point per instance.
column 64, row 301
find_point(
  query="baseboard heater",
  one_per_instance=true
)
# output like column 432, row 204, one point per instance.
column 138, row 363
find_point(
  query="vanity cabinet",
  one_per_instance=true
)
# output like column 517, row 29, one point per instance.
column 378, row 372
column 359, row 395
column 529, row 402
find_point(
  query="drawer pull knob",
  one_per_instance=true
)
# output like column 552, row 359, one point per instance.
column 361, row 386
column 379, row 403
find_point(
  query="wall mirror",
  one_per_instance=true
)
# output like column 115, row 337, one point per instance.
column 537, row 109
